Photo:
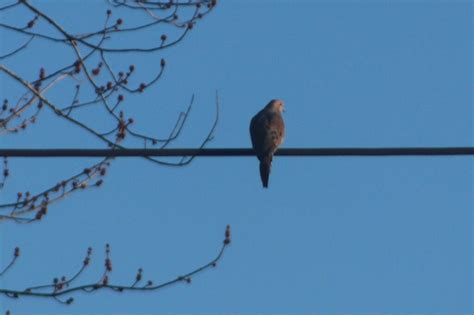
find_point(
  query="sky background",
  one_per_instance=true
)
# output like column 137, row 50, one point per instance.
column 331, row 235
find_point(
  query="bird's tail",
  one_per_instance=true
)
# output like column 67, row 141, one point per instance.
column 265, row 166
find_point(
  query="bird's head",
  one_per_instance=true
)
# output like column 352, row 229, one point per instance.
column 276, row 105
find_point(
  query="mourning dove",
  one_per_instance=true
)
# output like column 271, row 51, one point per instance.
column 267, row 131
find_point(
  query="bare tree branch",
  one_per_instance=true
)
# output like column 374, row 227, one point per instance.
column 103, row 87
column 94, row 82
column 18, row 49
column 63, row 286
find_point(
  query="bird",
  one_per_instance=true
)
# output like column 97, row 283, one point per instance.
column 267, row 131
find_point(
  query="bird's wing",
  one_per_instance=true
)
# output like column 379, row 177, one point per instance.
column 266, row 131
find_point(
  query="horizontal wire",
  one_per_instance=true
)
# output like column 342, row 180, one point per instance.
column 232, row 152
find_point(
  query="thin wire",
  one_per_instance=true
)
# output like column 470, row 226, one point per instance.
column 233, row 152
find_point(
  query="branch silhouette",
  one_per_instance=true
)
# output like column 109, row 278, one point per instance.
column 66, row 286
column 94, row 84
column 101, row 71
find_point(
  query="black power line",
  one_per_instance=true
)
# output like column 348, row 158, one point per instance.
column 236, row 152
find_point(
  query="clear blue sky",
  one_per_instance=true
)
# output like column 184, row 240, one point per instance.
column 390, row 235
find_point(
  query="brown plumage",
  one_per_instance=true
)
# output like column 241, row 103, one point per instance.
column 267, row 131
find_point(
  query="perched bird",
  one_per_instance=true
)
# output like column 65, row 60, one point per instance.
column 267, row 131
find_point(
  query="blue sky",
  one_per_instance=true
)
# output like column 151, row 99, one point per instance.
column 331, row 235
